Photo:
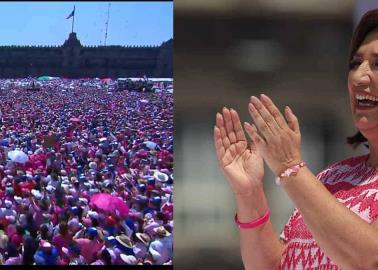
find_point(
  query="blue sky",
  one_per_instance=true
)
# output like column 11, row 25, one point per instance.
column 45, row 23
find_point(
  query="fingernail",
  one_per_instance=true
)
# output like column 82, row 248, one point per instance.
column 253, row 98
column 264, row 96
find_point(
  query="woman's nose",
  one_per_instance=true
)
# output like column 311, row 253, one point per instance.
column 362, row 77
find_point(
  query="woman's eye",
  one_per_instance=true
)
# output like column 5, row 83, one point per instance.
column 355, row 63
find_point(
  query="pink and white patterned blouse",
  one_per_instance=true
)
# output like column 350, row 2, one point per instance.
column 354, row 184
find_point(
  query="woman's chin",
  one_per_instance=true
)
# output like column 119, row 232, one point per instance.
column 365, row 124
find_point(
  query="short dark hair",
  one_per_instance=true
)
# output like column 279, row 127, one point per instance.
column 368, row 22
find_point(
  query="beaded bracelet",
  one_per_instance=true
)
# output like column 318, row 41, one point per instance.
column 293, row 170
column 254, row 223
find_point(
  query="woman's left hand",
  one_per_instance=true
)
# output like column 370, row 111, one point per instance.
column 277, row 140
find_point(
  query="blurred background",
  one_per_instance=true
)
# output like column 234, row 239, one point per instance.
column 227, row 50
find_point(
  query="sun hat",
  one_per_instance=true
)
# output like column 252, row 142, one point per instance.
column 147, row 262
column 124, row 241
column 161, row 177
column 128, row 259
column 92, row 165
column 161, row 231
column 143, row 237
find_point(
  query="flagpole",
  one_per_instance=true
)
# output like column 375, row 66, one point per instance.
column 73, row 20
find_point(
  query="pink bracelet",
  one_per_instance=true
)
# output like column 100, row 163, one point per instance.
column 293, row 170
column 254, row 223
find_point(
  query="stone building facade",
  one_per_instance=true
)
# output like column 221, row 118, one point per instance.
column 72, row 60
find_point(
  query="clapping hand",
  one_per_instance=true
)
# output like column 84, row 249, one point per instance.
column 277, row 140
column 238, row 160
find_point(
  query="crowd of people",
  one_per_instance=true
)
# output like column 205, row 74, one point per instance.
column 142, row 85
column 86, row 175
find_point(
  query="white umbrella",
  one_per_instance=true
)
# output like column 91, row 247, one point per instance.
column 150, row 144
column 161, row 177
column 18, row 156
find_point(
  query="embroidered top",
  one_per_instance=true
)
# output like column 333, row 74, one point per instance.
column 353, row 183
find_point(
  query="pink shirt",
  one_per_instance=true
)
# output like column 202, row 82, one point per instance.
column 59, row 241
column 88, row 248
column 354, row 184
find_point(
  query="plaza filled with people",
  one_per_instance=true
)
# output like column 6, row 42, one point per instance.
column 86, row 174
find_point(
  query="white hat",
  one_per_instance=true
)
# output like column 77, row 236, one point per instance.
column 83, row 200
column 17, row 199
column 93, row 214
column 50, row 188
column 92, row 165
column 36, row 193
column 161, row 177
column 128, row 259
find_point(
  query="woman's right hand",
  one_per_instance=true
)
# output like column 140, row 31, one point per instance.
column 239, row 162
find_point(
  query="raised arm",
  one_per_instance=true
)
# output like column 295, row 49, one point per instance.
column 244, row 170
